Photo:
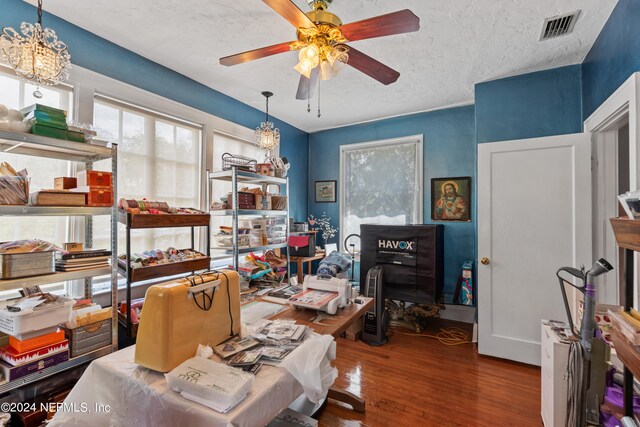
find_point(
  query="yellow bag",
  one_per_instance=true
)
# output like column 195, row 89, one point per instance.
column 179, row 315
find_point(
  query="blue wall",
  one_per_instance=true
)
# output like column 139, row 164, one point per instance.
column 104, row 57
column 613, row 57
column 449, row 150
column 529, row 105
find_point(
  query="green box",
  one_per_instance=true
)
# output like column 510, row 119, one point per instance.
column 43, row 130
column 44, row 109
column 75, row 136
column 47, row 120
column 51, row 124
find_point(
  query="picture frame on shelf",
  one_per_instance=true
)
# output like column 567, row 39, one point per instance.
column 630, row 202
column 325, row 191
column 451, row 199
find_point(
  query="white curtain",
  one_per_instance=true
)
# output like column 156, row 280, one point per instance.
column 381, row 185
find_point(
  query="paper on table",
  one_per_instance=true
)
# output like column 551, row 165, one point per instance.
column 258, row 310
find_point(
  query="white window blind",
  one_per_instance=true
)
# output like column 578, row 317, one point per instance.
column 158, row 159
column 382, row 184
column 16, row 94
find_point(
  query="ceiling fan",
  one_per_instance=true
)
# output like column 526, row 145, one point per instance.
column 321, row 40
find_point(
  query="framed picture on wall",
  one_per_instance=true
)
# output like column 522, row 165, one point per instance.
column 451, row 199
column 325, row 191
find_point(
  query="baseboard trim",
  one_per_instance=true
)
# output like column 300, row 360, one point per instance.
column 459, row 313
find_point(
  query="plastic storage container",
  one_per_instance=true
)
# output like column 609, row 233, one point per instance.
column 226, row 240
column 36, row 321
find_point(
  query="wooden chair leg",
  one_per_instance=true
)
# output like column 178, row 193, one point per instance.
column 349, row 398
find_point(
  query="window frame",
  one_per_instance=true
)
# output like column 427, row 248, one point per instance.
column 417, row 140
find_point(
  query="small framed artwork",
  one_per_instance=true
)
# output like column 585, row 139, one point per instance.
column 326, row 191
column 451, row 199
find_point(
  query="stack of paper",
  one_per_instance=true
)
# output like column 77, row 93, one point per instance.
column 213, row 384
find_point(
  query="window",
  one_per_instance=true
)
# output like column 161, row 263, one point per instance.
column 16, row 94
column 158, row 159
column 381, row 184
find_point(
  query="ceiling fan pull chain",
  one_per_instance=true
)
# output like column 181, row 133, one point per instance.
column 309, row 98
column 318, row 98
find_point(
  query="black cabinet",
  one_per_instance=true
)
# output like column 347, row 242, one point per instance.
column 412, row 257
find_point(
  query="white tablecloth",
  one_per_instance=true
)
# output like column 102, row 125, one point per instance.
column 140, row 397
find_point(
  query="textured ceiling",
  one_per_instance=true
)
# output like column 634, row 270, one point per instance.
column 460, row 42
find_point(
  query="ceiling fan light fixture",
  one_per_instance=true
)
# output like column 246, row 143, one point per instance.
column 338, row 56
column 304, row 69
column 267, row 135
column 36, row 55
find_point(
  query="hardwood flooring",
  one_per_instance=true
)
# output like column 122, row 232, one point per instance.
column 418, row 381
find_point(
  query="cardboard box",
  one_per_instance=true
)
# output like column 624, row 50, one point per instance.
column 73, row 246
column 14, row 358
column 94, row 179
column 263, row 202
column 65, row 183
column 37, row 342
column 14, row 372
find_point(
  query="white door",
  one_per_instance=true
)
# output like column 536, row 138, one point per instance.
column 534, row 216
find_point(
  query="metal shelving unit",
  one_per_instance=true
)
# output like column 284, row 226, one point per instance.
column 236, row 176
column 40, row 146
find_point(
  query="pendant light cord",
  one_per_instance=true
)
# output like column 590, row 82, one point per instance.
column 40, row 12
column 267, row 109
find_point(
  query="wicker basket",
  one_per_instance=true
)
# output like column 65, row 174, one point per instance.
column 238, row 161
column 278, row 203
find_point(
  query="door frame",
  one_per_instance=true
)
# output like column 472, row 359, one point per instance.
column 622, row 105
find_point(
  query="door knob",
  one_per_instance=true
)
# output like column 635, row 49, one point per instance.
column 485, row 261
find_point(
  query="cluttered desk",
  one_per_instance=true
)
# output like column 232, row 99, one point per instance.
column 119, row 389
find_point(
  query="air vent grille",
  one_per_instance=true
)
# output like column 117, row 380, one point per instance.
column 559, row 25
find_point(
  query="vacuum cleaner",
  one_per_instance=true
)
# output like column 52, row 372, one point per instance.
column 586, row 357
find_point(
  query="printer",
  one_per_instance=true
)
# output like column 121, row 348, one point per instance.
column 324, row 293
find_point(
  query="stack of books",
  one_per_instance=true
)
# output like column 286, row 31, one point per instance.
column 23, row 357
column 628, row 324
column 82, row 260
column 51, row 122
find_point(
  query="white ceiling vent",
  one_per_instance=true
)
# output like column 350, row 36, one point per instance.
column 559, row 25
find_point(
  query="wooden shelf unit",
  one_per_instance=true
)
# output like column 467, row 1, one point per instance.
column 149, row 221
column 627, row 232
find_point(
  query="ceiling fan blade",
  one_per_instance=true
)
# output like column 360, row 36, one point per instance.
column 250, row 55
column 307, row 86
column 372, row 67
column 291, row 13
column 403, row 21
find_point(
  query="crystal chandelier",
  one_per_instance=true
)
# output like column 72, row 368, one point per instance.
column 267, row 135
column 36, row 55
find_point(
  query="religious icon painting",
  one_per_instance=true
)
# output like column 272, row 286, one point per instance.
column 451, row 199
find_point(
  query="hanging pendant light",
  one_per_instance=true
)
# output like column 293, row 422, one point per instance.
column 36, row 55
column 267, row 135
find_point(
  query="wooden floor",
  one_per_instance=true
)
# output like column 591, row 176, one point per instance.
column 417, row 381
